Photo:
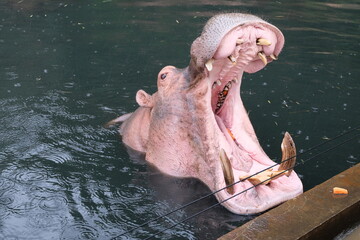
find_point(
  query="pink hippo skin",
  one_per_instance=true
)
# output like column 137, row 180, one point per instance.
column 197, row 114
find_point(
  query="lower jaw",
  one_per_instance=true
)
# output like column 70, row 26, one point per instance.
column 248, row 199
column 244, row 197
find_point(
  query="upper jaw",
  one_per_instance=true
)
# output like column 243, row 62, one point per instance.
column 224, row 32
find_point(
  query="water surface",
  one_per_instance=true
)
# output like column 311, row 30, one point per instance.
column 67, row 67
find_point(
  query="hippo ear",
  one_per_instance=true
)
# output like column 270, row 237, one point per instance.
column 144, row 99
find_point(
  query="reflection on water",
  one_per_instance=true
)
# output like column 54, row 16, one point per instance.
column 69, row 67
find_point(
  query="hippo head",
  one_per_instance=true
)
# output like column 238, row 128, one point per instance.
column 196, row 125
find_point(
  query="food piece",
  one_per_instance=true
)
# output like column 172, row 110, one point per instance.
column 338, row 190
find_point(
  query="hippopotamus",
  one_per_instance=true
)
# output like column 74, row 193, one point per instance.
column 195, row 124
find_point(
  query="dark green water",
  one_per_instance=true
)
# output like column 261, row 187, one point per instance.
column 68, row 67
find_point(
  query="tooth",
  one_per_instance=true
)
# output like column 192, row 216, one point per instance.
column 218, row 82
column 232, row 59
column 239, row 41
column 263, row 42
column 209, row 64
column 274, row 57
column 235, row 80
column 261, row 178
column 227, row 171
column 262, row 57
column 288, row 151
column 285, row 168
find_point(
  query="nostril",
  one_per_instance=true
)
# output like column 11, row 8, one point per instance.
column 163, row 76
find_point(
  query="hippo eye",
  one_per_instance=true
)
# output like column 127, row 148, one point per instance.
column 163, row 76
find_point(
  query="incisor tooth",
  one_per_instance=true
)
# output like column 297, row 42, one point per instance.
column 263, row 42
column 232, row 59
column 273, row 57
column 209, row 64
column 227, row 171
column 239, row 41
column 218, row 82
column 262, row 57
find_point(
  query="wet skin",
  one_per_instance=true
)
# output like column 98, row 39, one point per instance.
column 196, row 125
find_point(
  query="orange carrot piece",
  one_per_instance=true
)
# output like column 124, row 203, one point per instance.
column 231, row 134
column 338, row 190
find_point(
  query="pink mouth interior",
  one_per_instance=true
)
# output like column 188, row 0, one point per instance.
column 238, row 138
column 230, row 61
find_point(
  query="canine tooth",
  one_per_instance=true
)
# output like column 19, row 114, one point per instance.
column 287, row 164
column 288, row 153
column 239, row 41
column 209, row 64
column 262, row 57
column 232, row 59
column 263, row 42
column 227, row 171
column 218, row 82
column 273, row 57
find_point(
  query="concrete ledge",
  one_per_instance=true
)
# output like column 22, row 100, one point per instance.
column 316, row 214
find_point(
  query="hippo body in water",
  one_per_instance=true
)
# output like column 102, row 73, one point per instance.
column 196, row 125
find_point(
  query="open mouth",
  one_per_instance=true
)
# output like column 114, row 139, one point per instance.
column 196, row 125
column 239, row 156
column 246, row 48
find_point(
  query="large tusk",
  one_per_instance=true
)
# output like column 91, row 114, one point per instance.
column 287, row 164
column 262, row 57
column 227, row 171
column 263, row 42
column 288, row 149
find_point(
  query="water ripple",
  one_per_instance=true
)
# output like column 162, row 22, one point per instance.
column 132, row 193
column 5, row 185
column 27, row 177
column 46, row 220
column 58, row 156
column 53, row 203
column 80, row 231
column 6, row 200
